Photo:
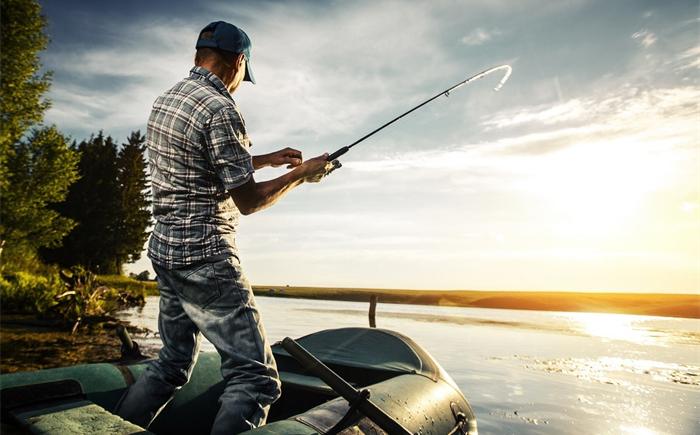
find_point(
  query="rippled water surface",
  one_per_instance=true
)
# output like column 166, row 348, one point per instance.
column 528, row 372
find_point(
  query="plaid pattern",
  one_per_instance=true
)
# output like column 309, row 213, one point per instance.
column 197, row 151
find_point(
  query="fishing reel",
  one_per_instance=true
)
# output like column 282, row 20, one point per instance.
column 336, row 164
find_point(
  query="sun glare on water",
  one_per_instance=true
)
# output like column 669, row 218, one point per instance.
column 612, row 327
column 637, row 430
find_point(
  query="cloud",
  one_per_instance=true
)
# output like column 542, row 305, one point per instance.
column 310, row 86
column 658, row 116
column 479, row 36
column 645, row 37
column 544, row 114
column 688, row 59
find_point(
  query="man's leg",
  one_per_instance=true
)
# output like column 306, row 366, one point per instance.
column 232, row 324
column 153, row 390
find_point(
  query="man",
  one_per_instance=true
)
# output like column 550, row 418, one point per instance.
column 202, row 178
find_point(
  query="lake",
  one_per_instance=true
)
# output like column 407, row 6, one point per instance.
column 527, row 372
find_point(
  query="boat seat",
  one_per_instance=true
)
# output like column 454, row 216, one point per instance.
column 61, row 407
column 79, row 417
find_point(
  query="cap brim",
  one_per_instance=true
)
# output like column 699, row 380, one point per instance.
column 249, row 73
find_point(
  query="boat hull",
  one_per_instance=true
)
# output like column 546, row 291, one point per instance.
column 423, row 399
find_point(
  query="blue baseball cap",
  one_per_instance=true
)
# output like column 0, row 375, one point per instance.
column 226, row 36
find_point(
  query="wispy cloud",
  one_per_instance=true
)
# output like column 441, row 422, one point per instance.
column 645, row 37
column 666, row 116
column 480, row 36
column 688, row 59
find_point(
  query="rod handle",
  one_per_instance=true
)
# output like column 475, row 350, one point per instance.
column 338, row 153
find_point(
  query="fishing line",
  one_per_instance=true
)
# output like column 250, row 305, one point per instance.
column 508, row 70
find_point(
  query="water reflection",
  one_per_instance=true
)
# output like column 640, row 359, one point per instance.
column 637, row 430
column 614, row 327
column 528, row 372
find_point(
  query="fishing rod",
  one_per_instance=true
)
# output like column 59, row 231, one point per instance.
column 333, row 158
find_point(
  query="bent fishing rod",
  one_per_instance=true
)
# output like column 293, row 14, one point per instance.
column 508, row 70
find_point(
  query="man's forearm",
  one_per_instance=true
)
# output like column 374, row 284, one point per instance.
column 256, row 196
column 261, row 161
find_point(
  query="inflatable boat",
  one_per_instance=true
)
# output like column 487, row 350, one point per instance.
column 336, row 381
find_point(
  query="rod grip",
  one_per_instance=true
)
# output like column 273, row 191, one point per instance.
column 338, row 153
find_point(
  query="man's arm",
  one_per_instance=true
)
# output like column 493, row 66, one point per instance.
column 253, row 196
column 288, row 156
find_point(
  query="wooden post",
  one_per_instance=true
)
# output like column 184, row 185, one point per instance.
column 373, row 311
column 130, row 349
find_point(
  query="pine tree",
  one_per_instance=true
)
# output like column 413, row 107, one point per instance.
column 110, row 203
column 135, row 206
column 94, row 202
column 36, row 163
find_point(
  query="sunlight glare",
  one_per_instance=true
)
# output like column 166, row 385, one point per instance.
column 637, row 430
column 596, row 188
column 612, row 327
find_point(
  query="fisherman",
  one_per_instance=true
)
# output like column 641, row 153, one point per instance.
column 202, row 180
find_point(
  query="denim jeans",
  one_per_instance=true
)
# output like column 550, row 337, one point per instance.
column 215, row 299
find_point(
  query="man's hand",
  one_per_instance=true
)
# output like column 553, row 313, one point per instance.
column 315, row 169
column 253, row 196
column 288, row 156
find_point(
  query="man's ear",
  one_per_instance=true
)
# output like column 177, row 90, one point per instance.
column 239, row 59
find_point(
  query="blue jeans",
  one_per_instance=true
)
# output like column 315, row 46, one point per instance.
column 214, row 298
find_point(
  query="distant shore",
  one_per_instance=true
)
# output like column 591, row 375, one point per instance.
column 648, row 304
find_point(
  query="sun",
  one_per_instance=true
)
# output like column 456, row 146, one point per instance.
column 597, row 188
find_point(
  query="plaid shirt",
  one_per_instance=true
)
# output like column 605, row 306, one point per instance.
column 197, row 151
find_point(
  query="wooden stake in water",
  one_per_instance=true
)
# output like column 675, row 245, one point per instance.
column 373, row 311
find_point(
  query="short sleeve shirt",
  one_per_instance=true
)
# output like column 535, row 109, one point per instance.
column 197, row 151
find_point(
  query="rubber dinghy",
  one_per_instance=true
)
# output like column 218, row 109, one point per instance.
column 382, row 382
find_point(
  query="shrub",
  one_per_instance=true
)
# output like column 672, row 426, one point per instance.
column 28, row 293
column 85, row 300
column 73, row 296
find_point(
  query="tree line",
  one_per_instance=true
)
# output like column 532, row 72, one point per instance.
column 61, row 202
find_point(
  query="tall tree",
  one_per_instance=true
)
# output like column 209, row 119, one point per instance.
column 94, row 202
column 110, row 203
column 36, row 164
column 135, row 206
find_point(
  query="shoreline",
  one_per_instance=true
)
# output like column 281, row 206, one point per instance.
column 645, row 304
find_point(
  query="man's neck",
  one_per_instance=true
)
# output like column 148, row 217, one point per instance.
column 221, row 71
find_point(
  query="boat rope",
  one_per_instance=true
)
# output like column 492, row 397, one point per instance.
column 459, row 426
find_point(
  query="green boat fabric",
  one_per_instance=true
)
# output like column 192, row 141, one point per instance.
column 371, row 349
column 310, row 383
column 102, row 383
column 419, row 404
column 76, row 418
column 363, row 356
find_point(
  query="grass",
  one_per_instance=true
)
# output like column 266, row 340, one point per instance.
column 131, row 285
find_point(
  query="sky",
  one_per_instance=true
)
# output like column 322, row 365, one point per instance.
column 582, row 173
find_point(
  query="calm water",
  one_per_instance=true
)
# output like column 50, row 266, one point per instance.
column 529, row 372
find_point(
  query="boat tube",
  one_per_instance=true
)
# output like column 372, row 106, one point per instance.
column 373, row 368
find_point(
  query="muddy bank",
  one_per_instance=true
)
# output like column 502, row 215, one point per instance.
column 29, row 343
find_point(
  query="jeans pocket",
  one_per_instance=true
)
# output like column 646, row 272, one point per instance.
column 199, row 285
column 233, row 284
